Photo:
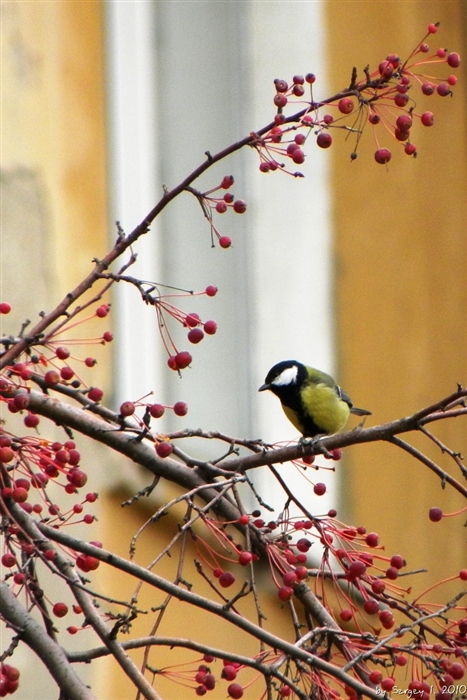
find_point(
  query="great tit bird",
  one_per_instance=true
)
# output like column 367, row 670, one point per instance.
column 311, row 399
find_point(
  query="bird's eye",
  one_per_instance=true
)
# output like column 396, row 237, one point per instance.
column 286, row 377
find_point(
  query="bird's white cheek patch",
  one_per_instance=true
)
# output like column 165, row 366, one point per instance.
column 287, row 376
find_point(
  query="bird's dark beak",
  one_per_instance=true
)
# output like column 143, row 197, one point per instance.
column 263, row 387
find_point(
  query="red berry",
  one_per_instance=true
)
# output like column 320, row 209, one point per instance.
column 394, row 59
column 172, row 363
column 374, row 118
column 226, row 579
column 452, row 80
column 196, row 335
column 372, row 539
column 410, row 149
column 356, row 569
column 443, row 89
column 210, row 327
column 302, row 572
column 67, row 373
column 404, row 122
column 228, row 198
column 180, row 408
column 62, row 353
column 77, row 477
column 308, row 459
column 221, row 207
column 281, row 85
column 428, row 88
column 392, row 573
column 371, row 607
column 298, row 80
column 298, row 156
column 463, row 575
column 21, row 400
column 433, row 28
column 90, row 362
column 235, row 691
column 192, row 320
column 291, row 147
column 310, row 78
column 386, row 69
column 74, row 457
column 456, row 670
column 102, row 311
column 51, row 377
column 298, row 90
column 239, row 206
column 303, row 545
column 345, row 615
column 383, row 155
column 276, row 134
column 183, row 359
column 210, row 682
column 211, row 291
column 127, row 408
column 319, row 489
column 386, row 619
column 397, row 561
column 225, row 242
column 5, row 308
column 60, row 609
column 435, row 515
column 290, row 578
column 95, row 394
column 300, row 139
column 19, row 495
column 108, row 337
column 244, row 519
column 428, row 118
column 324, row 140
column 229, row 673
column 401, row 100
column 453, row 59
column 388, row 684
column 375, row 677
column 164, row 449
column 244, row 558
column 72, row 629
column 345, row 105
column 8, row 560
column 227, row 182
column 156, row 410
column 280, row 100
column 285, row 593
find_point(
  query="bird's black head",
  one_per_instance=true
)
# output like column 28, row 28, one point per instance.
column 285, row 378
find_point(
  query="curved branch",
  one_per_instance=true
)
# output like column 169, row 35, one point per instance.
column 50, row 653
column 198, row 601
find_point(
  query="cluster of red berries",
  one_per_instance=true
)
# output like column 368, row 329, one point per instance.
column 50, row 460
column 374, row 99
column 220, row 205
column 197, row 329
column 9, row 676
column 55, row 368
column 206, row 679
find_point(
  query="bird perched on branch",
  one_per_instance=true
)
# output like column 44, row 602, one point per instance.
column 311, row 399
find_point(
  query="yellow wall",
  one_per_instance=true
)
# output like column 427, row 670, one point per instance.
column 401, row 296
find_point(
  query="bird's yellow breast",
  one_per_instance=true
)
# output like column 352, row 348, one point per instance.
column 330, row 413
